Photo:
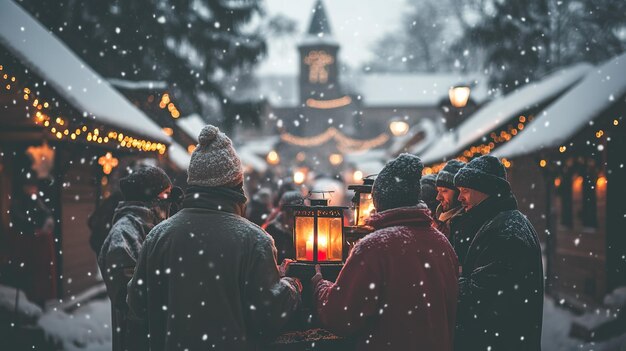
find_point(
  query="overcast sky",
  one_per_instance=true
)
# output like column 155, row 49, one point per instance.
column 356, row 25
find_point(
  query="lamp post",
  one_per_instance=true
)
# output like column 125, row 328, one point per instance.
column 459, row 95
column 398, row 127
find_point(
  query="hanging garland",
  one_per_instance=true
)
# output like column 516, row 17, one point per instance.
column 344, row 143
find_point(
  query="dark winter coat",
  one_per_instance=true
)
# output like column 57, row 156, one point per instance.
column 283, row 239
column 207, row 278
column 501, row 285
column 398, row 289
column 132, row 221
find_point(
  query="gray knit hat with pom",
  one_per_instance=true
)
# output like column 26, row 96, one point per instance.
column 398, row 184
column 214, row 162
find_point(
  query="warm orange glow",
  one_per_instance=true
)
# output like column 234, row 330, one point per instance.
column 357, row 176
column 299, row 176
column 191, row 148
column 615, row 122
column 366, row 206
column 398, row 128
column 543, row 163
column 578, row 184
column 427, row 171
column 599, row 134
column 168, row 131
column 459, row 96
column 601, row 183
column 329, row 238
column 563, row 149
column 108, row 162
column 273, row 158
column 557, row 182
column 335, row 159
column 522, row 119
column 329, row 104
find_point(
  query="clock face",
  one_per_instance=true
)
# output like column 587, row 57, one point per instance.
column 318, row 62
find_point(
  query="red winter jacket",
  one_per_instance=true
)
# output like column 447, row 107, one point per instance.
column 398, row 289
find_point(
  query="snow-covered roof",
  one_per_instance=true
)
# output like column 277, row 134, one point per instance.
column 192, row 125
column 138, row 85
column 415, row 89
column 80, row 85
column 426, row 126
column 248, row 159
column 500, row 111
column 259, row 146
column 567, row 115
column 179, row 156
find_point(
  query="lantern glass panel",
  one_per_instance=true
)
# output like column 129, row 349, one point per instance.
column 329, row 242
column 304, row 228
column 366, row 206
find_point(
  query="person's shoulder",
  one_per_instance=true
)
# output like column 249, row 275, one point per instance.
column 513, row 226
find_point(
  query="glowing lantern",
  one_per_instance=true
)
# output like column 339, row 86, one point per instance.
column 362, row 200
column 398, row 127
column 299, row 176
column 318, row 232
column 273, row 158
column 459, row 95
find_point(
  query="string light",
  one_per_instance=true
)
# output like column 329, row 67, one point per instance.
column 329, row 104
column 95, row 136
column 344, row 143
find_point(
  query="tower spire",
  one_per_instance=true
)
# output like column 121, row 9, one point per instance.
column 319, row 21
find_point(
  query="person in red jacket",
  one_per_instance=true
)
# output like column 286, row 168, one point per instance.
column 398, row 289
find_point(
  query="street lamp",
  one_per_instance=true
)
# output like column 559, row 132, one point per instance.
column 273, row 158
column 398, row 127
column 459, row 95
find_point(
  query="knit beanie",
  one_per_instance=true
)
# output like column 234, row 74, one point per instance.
column 429, row 191
column 144, row 184
column 445, row 177
column 214, row 162
column 398, row 184
column 485, row 174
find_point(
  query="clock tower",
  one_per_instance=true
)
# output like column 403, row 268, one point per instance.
column 319, row 78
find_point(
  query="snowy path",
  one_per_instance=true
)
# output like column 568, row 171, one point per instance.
column 88, row 328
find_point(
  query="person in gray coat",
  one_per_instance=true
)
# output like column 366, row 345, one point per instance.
column 207, row 278
column 145, row 203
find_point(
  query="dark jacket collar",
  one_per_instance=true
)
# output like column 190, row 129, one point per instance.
column 493, row 205
column 408, row 216
column 139, row 210
column 215, row 198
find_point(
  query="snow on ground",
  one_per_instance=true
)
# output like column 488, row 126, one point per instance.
column 556, row 327
column 87, row 328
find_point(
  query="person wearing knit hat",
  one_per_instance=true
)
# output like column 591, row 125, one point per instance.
column 428, row 191
column 221, row 264
column 145, row 203
column 391, row 270
column 447, row 195
column 214, row 162
column 398, row 184
column 501, row 285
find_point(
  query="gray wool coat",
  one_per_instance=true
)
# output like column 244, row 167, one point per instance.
column 117, row 260
column 207, row 278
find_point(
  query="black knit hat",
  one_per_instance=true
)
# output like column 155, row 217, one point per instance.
column 445, row 177
column 429, row 191
column 485, row 174
column 398, row 184
column 144, row 184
